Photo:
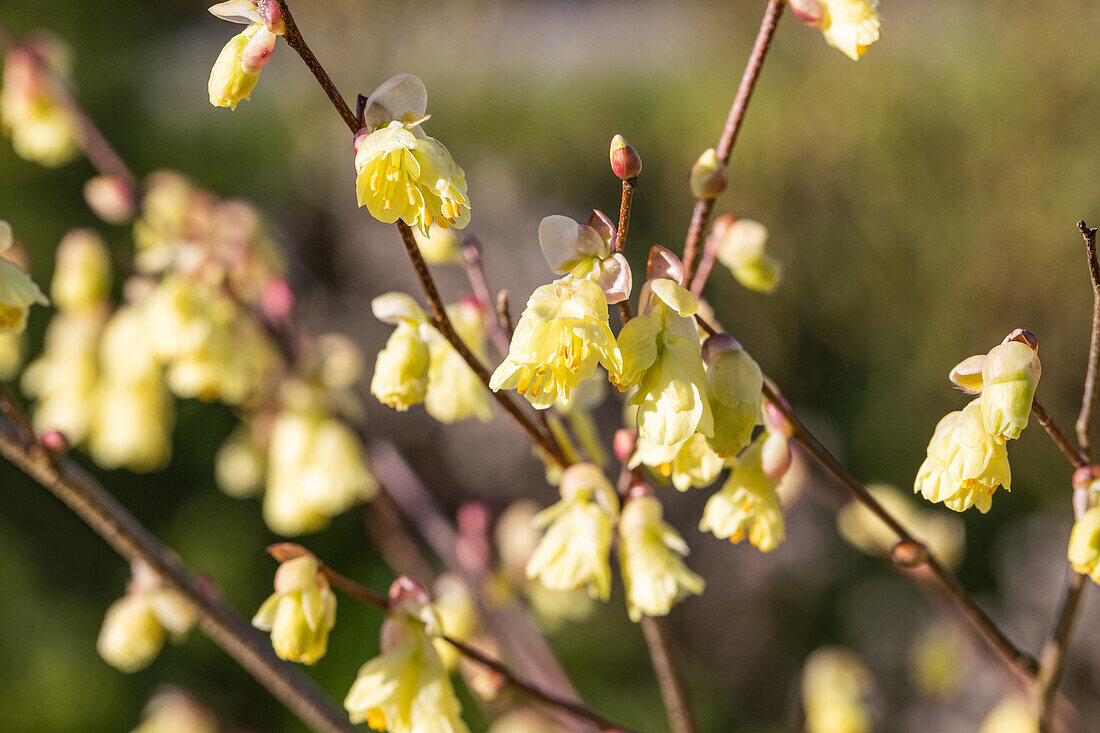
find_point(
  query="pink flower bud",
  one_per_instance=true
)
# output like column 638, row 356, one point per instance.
column 718, row 344
column 55, row 442
column 639, row 490
column 624, row 443
column 708, row 176
column 110, row 198
column 257, row 52
column 625, row 161
column 810, row 12
column 1024, row 337
column 277, row 299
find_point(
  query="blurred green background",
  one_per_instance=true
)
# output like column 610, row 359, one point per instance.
column 923, row 200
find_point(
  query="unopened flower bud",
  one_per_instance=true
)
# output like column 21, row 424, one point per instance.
column 110, row 198
column 625, row 161
column 1084, row 544
column 708, row 176
column 624, row 443
column 1010, row 374
column 237, row 68
column 1024, row 337
column 55, row 442
column 1085, row 476
column 277, row 299
column 909, row 554
column 810, row 12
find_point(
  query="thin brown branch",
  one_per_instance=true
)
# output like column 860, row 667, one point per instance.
column 1072, row 454
column 624, row 214
column 1092, row 377
column 1052, row 660
column 295, row 40
column 443, row 325
column 670, row 675
column 130, row 539
column 703, row 207
column 475, row 273
column 1018, row 660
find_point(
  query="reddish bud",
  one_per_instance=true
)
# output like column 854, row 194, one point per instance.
column 1084, row 476
column 277, row 299
column 810, row 12
column 624, row 443
column 909, row 554
column 1024, row 337
column 625, row 161
column 639, row 490
column 55, row 442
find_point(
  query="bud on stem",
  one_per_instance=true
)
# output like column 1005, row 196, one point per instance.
column 625, row 161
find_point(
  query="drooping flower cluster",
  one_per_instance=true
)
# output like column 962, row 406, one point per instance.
column 136, row 625
column 237, row 69
column 400, row 172
column 740, row 246
column 41, row 128
column 301, row 611
column 406, row 689
column 967, row 460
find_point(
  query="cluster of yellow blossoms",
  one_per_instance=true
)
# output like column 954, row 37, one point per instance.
column 967, row 460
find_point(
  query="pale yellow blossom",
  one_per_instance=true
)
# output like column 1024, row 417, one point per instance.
column 300, row 613
column 965, row 464
column 651, row 558
column 747, row 504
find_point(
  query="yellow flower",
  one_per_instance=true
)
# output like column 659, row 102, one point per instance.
column 734, row 384
column 850, row 26
column 240, row 464
column 82, row 274
column 237, row 69
column 13, row 348
column 315, row 470
column 1010, row 374
column 574, row 552
column 17, row 291
column 174, row 711
column 400, row 377
column 1012, row 715
column 454, row 603
column 651, row 558
column 741, row 248
column 440, row 246
column 965, row 464
column 300, row 613
column 661, row 354
column 835, row 685
column 41, row 130
column 938, row 662
column 406, row 689
column 692, row 464
column 747, row 504
column 136, row 625
column 1084, row 544
column 454, row 391
column 64, row 377
column 404, row 174
column 944, row 534
column 133, row 420
column 584, row 251
column 561, row 337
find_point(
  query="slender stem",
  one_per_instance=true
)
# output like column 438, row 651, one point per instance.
column 1019, row 661
column 444, row 326
column 1092, row 377
column 706, row 264
column 624, row 214
column 703, row 207
column 670, row 674
column 366, row 595
column 130, row 539
column 475, row 273
column 295, row 40
column 1072, row 454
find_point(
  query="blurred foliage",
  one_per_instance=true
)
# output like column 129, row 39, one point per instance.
column 923, row 200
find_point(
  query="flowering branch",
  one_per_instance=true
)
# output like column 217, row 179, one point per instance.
column 1072, row 454
column 442, row 323
column 90, row 140
column 288, row 551
column 130, row 539
column 1053, row 656
column 704, row 206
